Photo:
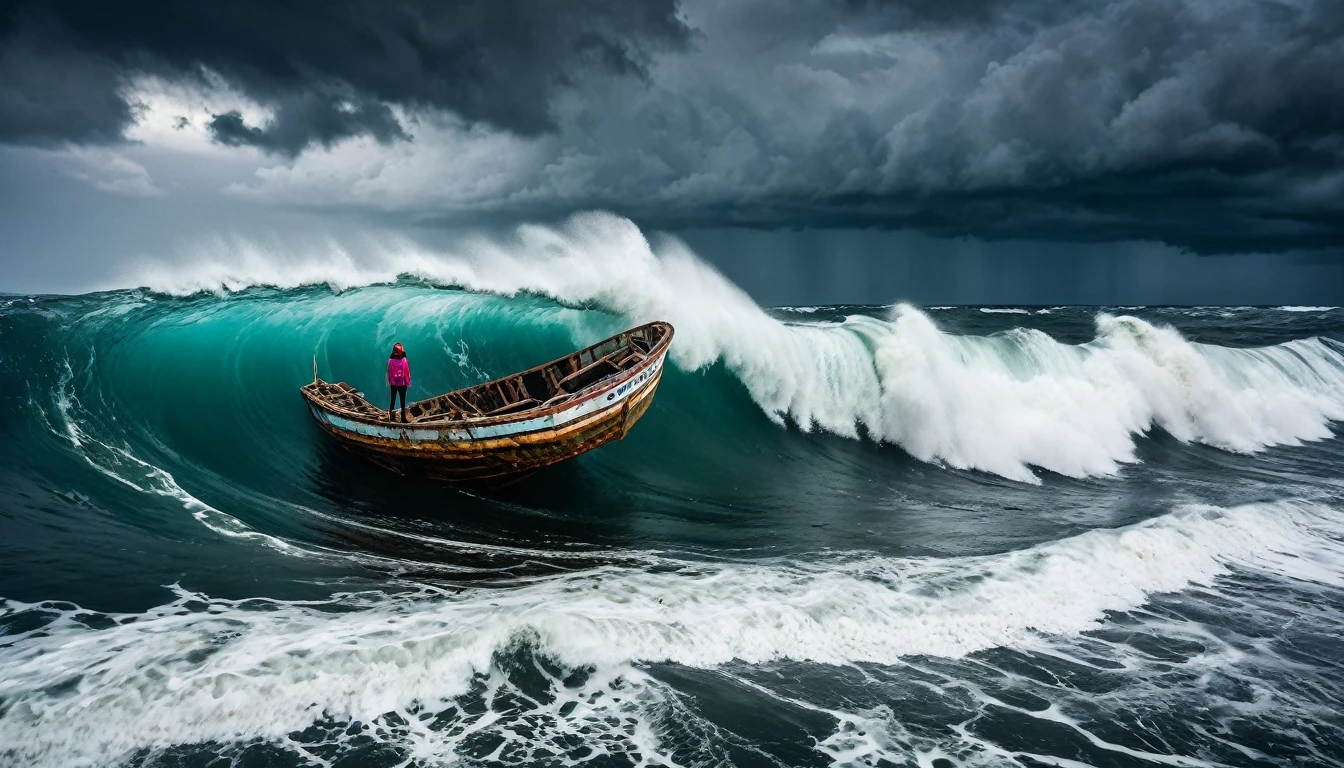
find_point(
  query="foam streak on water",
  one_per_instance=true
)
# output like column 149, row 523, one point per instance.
column 783, row 565
column 208, row 670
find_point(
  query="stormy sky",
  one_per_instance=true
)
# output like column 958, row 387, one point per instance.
column 1033, row 151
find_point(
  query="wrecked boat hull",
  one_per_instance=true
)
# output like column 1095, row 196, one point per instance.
column 497, row 450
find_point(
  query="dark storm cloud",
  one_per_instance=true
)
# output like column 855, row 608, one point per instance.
column 309, row 118
column 1212, row 126
column 329, row 69
column 49, row 97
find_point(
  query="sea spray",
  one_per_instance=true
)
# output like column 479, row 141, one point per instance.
column 716, row 589
column 1001, row 404
column 204, row 669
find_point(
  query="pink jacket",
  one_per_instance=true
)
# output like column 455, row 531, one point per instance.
column 398, row 372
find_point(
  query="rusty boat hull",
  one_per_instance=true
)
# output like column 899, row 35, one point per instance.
column 505, row 429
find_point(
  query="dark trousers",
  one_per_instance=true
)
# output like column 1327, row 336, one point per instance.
column 393, row 406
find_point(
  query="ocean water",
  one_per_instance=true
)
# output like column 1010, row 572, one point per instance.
column 899, row 536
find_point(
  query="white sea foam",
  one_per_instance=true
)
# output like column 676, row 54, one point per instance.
column 1306, row 309
column 1003, row 404
column 204, row 669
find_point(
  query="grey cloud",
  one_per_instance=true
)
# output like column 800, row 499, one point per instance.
column 1208, row 127
column 1139, row 86
column 497, row 62
column 114, row 174
column 309, row 118
column 53, row 95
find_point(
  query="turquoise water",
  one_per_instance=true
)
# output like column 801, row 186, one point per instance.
column 842, row 535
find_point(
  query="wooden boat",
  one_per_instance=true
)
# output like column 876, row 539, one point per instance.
column 508, row 428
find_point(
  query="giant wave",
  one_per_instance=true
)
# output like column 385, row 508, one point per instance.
column 759, row 574
column 1004, row 404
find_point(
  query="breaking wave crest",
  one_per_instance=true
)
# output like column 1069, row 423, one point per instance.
column 719, row 588
column 1004, row 404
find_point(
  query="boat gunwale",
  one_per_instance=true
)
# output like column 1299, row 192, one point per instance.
column 432, row 450
column 577, row 398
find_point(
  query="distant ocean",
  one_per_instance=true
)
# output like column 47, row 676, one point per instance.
column 899, row 536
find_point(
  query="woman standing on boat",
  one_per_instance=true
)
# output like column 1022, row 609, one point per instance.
column 399, row 378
